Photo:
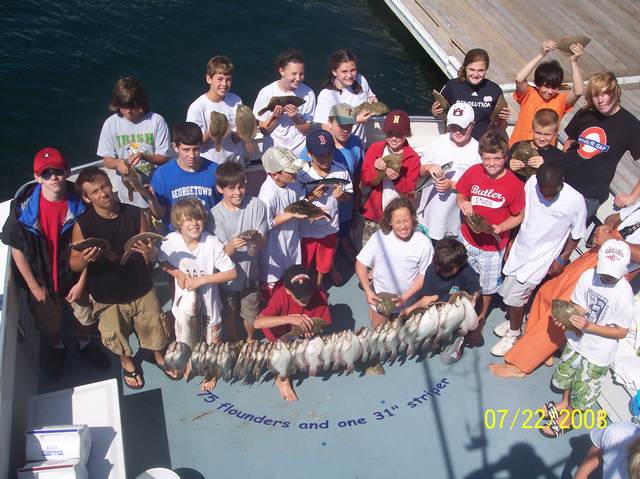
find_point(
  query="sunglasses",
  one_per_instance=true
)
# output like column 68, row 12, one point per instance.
column 49, row 172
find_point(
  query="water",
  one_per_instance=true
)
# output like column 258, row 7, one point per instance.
column 59, row 60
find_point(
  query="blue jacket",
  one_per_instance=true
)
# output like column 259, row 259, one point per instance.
column 22, row 231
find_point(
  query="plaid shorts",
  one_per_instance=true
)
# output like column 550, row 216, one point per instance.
column 582, row 378
column 488, row 265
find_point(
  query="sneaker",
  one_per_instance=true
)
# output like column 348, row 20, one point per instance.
column 93, row 353
column 55, row 363
column 453, row 352
column 503, row 346
column 501, row 329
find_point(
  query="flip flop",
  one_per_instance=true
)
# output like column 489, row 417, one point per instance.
column 135, row 374
column 555, row 430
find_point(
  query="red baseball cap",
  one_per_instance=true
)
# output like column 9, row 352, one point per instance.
column 48, row 158
column 397, row 121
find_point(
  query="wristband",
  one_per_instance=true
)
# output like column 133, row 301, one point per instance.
column 561, row 261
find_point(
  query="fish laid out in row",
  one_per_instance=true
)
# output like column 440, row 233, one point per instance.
column 422, row 331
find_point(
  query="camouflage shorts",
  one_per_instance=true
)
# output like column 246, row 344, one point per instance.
column 363, row 231
column 582, row 378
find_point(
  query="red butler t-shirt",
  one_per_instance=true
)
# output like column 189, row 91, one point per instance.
column 51, row 216
column 493, row 199
column 281, row 304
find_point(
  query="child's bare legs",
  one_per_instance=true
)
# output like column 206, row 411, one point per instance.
column 475, row 338
column 376, row 318
column 248, row 327
column 319, row 279
column 286, row 390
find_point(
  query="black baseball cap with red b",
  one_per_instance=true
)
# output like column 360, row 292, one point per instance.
column 296, row 279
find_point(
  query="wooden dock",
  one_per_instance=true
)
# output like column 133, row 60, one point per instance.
column 512, row 32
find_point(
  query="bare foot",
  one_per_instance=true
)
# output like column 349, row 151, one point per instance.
column 135, row 381
column 208, row 385
column 549, row 362
column 286, row 391
column 506, row 371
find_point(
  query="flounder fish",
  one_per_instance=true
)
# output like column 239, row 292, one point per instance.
column 524, row 152
column 218, row 127
column 133, row 181
column 386, row 305
column 95, row 243
column 282, row 101
column 318, row 326
column 429, row 180
column 562, row 310
column 246, row 124
column 304, row 207
column 189, row 322
column 479, row 224
column 148, row 236
column 328, row 181
column 393, row 161
column 500, row 104
column 377, row 108
column 252, row 237
column 565, row 43
column 444, row 103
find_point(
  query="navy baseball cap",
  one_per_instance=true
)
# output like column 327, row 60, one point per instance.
column 320, row 142
column 298, row 280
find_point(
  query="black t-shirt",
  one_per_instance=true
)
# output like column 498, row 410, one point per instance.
column 107, row 281
column 551, row 156
column 466, row 280
column 600, row 143
column 482, row 97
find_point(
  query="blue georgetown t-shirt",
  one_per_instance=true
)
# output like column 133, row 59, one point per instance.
column 466, row 280
column 170, row 183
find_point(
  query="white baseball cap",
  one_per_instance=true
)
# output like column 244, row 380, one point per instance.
column 278, row 158
column 460, row 114
column 613, row 258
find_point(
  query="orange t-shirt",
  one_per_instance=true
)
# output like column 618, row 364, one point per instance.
column 530, row 102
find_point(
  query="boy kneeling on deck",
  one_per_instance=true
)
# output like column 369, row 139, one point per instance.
column 124, row 298
column 592, row 342
column 293, row 304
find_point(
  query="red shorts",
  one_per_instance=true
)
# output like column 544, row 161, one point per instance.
column 320, row 249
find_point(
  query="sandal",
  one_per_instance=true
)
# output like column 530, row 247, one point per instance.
column 552, row 411
column 555, row 430
column 135, row 374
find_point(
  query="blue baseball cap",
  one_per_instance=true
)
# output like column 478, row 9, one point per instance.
column 320, row 142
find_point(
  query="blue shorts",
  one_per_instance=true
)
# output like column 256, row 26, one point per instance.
column 345, row 229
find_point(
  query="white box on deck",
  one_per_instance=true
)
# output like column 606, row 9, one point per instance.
column 95, row 405
column 53, row 470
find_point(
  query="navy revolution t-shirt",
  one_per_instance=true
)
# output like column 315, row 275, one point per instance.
column 482, row 98
column 466, row 280
column 600, row 143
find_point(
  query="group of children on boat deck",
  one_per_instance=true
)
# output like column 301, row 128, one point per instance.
column 480, row 226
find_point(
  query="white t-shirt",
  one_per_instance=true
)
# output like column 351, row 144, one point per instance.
column 544, row 231
column 397, row 263
column 439, row 212
column 200, row 113
column 286, row 134
column 614, row 441
column 605, row 304
column 120, row 137
column 207, row 258
column 630, row 216
column 283, row 242
column 323, row 227
column 327, row 98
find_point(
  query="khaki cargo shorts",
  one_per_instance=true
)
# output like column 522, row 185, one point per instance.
column 240, row 303
column 363, row 230
column 116, row 322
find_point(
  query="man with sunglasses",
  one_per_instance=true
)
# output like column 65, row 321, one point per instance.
column 38, row 230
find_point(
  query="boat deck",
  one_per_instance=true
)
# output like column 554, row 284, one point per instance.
column 344, row 426
column 512, row 32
